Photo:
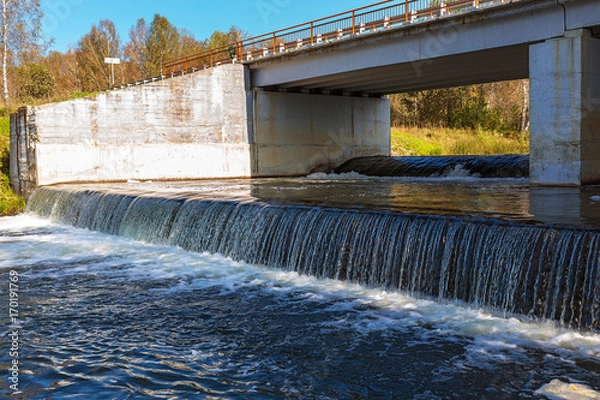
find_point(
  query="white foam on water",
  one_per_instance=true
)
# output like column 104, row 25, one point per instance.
column 458, row 171
column 338, row 177
column 558, row 390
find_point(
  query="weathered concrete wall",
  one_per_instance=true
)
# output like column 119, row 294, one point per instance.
column 194, row 126
column 295, row 134
column 209, row 124
column 565, row 110
column 23, row 162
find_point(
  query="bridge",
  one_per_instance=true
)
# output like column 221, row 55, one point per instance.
column 313, row 95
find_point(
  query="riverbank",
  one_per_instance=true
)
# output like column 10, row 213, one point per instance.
column 412, row 141
column 10, row 203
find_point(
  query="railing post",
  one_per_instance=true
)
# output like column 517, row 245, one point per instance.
column 353, row 22
column 274, row 43
column 406, row 11
column 240, row 49
column 312, row 40
column 211, row 58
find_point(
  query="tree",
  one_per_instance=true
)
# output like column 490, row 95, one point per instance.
column 20, row 30
column 163, row 44
column 63, row 68
column 136, row 51
column 35, row 82
column 221, row 39
column 102, row 41
column 500, row 106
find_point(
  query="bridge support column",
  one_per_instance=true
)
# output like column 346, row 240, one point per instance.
column 296, row 134
column 565, row 110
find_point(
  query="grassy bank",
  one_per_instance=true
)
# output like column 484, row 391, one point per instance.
column 10, row 203
column 409, row 141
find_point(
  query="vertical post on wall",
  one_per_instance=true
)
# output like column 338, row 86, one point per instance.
column 353, row 21
column 405, row 10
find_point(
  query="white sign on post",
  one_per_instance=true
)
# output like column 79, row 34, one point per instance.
column 112, row 62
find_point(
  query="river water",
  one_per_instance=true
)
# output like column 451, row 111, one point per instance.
column 103, row 316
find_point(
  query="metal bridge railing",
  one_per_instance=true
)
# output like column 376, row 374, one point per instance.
column 372, row 18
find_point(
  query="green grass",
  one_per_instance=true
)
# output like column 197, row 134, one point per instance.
column 77, row 95
column 409, row 141
column 10, row 203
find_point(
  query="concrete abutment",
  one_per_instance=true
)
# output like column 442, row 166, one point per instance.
column 209, row 124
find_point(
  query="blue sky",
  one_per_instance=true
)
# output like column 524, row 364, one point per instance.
column 68, row 20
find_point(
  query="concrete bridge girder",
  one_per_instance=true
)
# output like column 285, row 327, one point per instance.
column 421, row 51
column 488, row 66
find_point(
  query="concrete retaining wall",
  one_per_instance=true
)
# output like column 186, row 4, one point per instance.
column 195, row 126
column 208, row 124
column 23, row 139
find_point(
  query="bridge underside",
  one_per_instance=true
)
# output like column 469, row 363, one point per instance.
column 555, row 43
column 492, row 65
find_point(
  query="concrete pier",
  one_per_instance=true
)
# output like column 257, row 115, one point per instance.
column 565, row 110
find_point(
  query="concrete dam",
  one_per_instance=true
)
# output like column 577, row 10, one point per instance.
column 236, row 227
column 274, row 117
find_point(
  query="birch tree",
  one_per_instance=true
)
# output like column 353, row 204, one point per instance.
column 136, row 51
column 102, row 41
column 20, row 30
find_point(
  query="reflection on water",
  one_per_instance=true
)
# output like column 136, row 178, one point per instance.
column 506, row 199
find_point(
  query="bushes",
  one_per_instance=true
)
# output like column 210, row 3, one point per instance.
column 10, row 203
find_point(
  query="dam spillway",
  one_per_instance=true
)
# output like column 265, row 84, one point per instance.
column 488, row 247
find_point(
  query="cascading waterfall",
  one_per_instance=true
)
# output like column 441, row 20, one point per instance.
column 539, row 271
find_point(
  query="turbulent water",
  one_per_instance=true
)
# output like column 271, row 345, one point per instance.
column 106, row 317
column 539, row 271
column 494, row 166
column 307, row 288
